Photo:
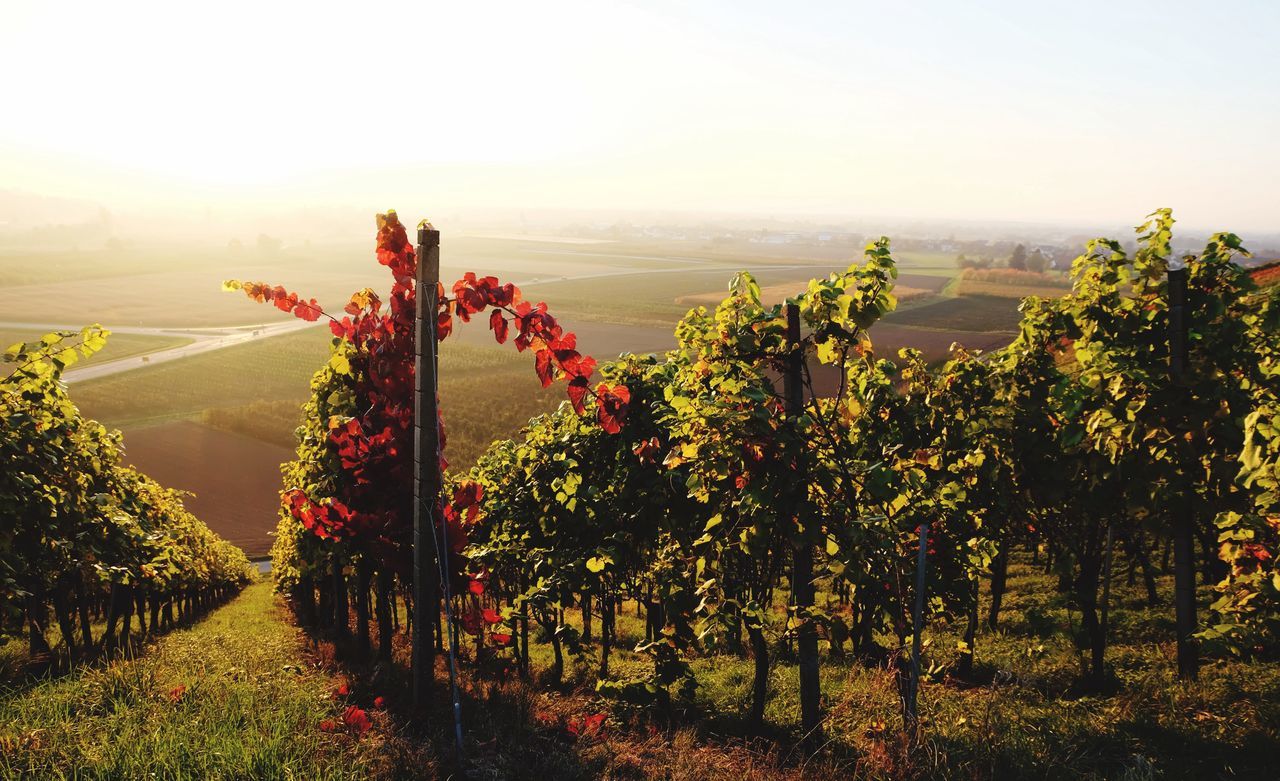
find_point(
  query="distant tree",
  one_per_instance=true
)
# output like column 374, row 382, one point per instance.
column 1018, row 260
column 1037, row 261
column 962, row 261
column 268, row 245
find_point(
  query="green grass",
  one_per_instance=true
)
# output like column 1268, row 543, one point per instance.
column 118, row 345
column 255, row 698
column 1022, row 715
column 251, row 709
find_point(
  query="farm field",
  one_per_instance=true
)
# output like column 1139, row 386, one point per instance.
column 908, row 287
column 962, row 313
column 274, row 369
column 153, row 286
column 1009, row 284
column 235, row 479
column 887, row 338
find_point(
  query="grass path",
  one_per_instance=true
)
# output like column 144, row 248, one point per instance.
column 251, row 708
column 256, row 693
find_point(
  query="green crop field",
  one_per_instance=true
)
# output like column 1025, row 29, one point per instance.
column 962, row 313
column 278, row 368
column 160, row 286
column 940, row 264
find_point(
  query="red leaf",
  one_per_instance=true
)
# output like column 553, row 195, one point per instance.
column 542, row 365
column 357, row 720
column 343, row 329
column 578, row 394
column 503, row 296
column 309, row 310
column 611, row 406
column 471, row 623
column 491, row 616
column 498, row 324
column 648, row 450
column 475, row 587
column 501, row 639
column 466, row 500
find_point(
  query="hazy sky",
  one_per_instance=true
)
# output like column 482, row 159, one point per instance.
column 1077, row 111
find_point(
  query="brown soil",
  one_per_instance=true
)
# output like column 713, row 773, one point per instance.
column 235, row 479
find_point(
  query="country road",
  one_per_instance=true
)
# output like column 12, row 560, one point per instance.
column 203, row 340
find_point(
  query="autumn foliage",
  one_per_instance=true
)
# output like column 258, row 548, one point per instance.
column 368, row 430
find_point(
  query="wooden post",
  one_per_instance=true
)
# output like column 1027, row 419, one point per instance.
column 1184, row 575
column 341, row 606
column 426, row 476
column 802, row 551
column 1106, row 577
column 917, row 628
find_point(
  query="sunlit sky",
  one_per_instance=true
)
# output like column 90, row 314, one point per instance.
column 1076, row 111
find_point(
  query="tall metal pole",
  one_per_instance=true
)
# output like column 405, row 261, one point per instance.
column 426, row 467
column 1184, row 574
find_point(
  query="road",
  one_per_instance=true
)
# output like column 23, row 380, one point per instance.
column 203, row 340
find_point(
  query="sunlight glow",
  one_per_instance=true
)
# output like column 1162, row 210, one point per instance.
column 1012, row 112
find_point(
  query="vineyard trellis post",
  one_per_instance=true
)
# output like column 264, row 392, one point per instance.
column 1105, row 608
column 1183, row 542
column 917, row 629
column 426, row 464
column 802, row 551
